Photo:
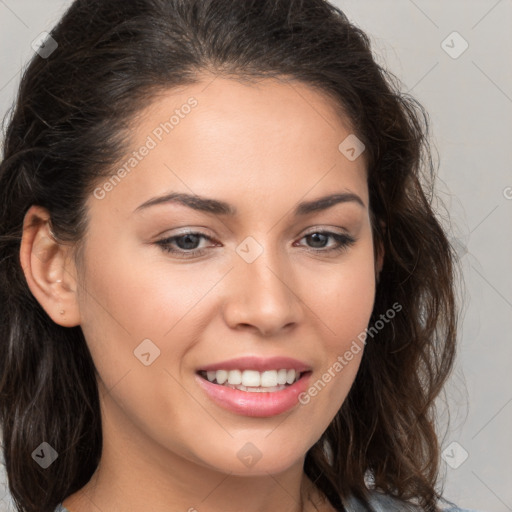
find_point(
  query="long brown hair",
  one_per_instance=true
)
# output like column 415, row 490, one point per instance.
column 67, row 129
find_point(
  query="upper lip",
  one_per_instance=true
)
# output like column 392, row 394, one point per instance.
column 260, row 364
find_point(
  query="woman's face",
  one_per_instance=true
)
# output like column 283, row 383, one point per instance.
column 256, row 279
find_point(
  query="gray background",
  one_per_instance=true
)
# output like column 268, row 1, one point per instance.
column 469, row 99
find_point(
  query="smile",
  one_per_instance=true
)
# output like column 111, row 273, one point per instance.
column 253, row 380
column 252, row 401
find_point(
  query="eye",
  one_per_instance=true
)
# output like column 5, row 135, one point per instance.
column 319, row 241
column 186, row 242
column 186, row 245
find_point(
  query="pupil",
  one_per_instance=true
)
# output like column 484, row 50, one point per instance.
column 185, row 245
column 315, row 237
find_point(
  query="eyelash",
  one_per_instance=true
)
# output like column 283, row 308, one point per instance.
column 344, row 241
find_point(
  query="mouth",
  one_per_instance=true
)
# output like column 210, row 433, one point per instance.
column 254, row 393
column 254, row 381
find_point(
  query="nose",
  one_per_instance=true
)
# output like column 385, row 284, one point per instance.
column 262, row 296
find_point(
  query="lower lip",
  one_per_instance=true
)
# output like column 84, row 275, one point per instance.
column 255, row 404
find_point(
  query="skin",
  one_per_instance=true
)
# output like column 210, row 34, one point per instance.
column 262, row 148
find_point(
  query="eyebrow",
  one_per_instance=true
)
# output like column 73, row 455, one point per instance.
column 217, row 207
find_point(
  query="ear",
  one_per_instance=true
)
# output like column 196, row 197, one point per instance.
column 49, row 269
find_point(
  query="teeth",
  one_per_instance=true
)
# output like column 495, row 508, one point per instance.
column 251, row 378
column 235, row 377
column 281, row 376
column 220, row 376
column 257, row 390
column 271, row 380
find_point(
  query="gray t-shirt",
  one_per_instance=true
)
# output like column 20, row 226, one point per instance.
column 379, row 503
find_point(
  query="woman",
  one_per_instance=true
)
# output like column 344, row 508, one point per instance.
column 223, row 285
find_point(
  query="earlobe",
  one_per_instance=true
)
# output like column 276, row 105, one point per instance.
column 48, row 269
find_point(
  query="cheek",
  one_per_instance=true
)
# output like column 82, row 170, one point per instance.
column 343, row 298
column 141, row 295
column 127, row 300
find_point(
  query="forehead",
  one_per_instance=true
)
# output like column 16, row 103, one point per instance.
column 223, row 136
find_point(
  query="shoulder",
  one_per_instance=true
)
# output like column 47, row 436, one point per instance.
column 379, row 502
column 385, row 503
